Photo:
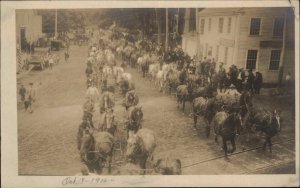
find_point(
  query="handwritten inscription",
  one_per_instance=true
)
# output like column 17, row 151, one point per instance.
column 85, row 180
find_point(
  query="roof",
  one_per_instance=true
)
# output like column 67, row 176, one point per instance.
column 234, row 11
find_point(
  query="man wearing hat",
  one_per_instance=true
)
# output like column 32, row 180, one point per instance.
column 29, row 98
column 250, row 81
column 22, row 92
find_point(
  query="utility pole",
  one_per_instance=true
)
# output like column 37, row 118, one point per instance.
column 158, row 22
column 281, row 67
column 55, row 23
column 197, row 33
column 167, row 30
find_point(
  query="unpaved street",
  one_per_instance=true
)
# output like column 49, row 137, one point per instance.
column 47, row 137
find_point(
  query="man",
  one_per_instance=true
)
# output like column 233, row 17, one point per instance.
column 240, row 79
column 22, row 92
column 92, row 92
column 258, row 80
column 250, row 81
column 51, row 61
column 66, row 56
column 30, row 98
column 222, row 77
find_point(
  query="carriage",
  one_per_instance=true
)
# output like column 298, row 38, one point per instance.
column 56, row 45
column 38, row 58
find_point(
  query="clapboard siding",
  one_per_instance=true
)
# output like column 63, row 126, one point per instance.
column 241, row 41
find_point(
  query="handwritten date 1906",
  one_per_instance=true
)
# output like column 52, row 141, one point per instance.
column 84, row 180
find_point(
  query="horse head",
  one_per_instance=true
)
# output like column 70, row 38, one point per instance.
column 276, row 120
column 87, row 143
column 130, row 96
column 235, row 119
column 109, row 118
column 134, row 147
column 137, row 115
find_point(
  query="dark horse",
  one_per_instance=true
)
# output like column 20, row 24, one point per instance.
column 133, row 123
column 226, row 79
column 184, row 93
column 227, row 126
column 131, row 99
column 107, row 122
column 96, row 150
column 145, row 67
column 264, row 121
column 206, row 108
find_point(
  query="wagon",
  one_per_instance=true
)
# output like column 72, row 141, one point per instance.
column 56, row 44
column 38, row 58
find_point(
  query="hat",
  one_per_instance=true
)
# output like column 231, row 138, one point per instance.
column 232, row 86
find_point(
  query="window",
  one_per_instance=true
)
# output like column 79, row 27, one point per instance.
column 255, row 26
column 278, row 27
column 217, row 52
column 209, row 53
column 202, row 26
column 221, row 22
column 206, row 49
column 251, row 59
column 229, row 25
column 209, row 24
column 226, row 55
column 275, row 60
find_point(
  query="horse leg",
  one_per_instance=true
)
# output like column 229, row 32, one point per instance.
column 265, row 144
column 233, row 145
column 216, row 139
column 195, row 121
column 225, row 148
column 270, row 144
column 109, row 163
column 183, row 105
column 207, row 128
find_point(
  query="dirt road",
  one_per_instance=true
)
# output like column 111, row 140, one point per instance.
column 47, row 137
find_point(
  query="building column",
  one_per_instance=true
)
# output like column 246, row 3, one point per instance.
column 236, row 39
column 187, row 15
column 281, row 66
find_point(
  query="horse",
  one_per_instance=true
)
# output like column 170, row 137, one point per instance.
column 88, row 70
column 207, row 91
column 227, row 126
column 168, row 166
column 131, row 99
column 160, row 80
column 133, row 123
column 172, row 80
column 85, row 125
column 107, row 122
column 139, row 63
column 126, row 86
column 145, row 67
column 153, row 69
column 88, row 110
column 183, row 93
column 117, row 71
column 263, row 121
column 140, row 147
column 107, row 70
column 106, row 101
column 96, row 150
column 207, row 108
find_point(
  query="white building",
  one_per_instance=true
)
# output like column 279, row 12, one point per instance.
column 28, row 26
column 261, row 39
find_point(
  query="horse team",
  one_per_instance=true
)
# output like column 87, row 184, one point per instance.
column 96, row 143
column 216, row 97
column 230, row 111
